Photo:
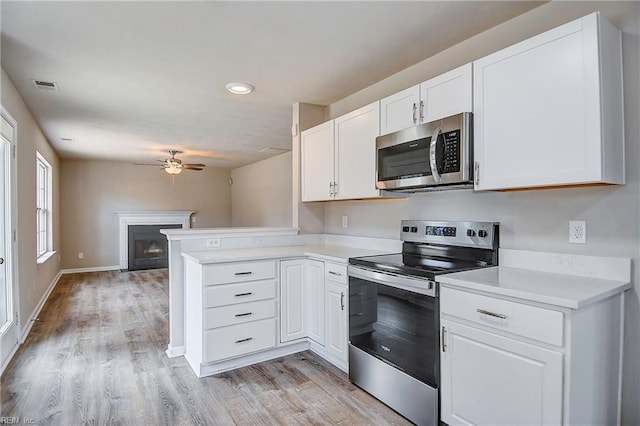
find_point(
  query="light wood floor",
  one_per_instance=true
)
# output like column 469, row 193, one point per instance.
column 97, row 357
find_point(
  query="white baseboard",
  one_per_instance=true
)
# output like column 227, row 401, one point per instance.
column 93, row 269
column 322, row 351
column 27, row 326
column 174, row 351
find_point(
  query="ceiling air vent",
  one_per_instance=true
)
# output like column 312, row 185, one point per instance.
column 49, row 86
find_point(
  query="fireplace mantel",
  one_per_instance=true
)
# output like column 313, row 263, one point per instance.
column 147, row 217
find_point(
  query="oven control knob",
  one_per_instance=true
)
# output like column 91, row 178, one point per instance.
column 471, row 233
column 482, row 233
column 414, row 229
column 405, row 229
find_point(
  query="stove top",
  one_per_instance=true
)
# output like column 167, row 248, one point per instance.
column 434, row 248
column 406, row 264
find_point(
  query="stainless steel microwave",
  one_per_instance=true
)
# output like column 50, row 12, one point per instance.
column 430, row 156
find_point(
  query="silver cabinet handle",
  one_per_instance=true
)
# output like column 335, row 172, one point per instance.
column 243, row 294
column 415, row 117
column 244, row 340
column 422, row 111
column 330, row 189
column 444, row 340
column 246, row 314
column 491, row 314
column 342, row 301
column 476, row 173
column 335, row 189
column 432, row 155
column 243, row 273
column 338, row 274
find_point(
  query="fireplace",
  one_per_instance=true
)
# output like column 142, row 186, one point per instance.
column 163, row 219
column 148, row 247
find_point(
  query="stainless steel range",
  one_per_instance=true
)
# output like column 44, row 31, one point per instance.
column 394, row 349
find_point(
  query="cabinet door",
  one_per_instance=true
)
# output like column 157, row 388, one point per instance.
column 447, row 94
column 355, row 144
column 292, row 300
column 537, row 110
column 490, row 379
column 400, row 110
column 336, row 319
column 314, row 303
column 317, row 162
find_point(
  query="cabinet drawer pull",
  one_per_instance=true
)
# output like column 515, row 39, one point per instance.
column 337, row 274
column 244, row 340
column 491, row 314
column 246, row 314
column 243, row 294
column 243, row 273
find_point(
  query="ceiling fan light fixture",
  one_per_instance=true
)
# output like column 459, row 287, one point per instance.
column 239, row 88
column 173, row 169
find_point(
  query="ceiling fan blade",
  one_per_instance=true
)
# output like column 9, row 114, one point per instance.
column 147, row 164
column 195, row 165
column 192, row 168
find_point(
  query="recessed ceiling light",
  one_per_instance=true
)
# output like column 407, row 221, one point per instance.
column 238, row 88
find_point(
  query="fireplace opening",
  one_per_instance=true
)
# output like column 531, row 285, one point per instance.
column 148, row 248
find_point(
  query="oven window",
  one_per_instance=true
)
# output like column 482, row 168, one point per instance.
column 410, row 159
column 397, row 326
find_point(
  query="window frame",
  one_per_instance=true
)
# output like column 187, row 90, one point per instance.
column 44, row 198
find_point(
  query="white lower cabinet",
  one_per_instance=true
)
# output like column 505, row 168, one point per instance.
column 292, row 306
column 336, row 337
column 507, row 361
column 489, row 379
column 314, row 300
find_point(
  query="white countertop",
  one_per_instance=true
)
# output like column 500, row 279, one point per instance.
column 336, row 253
column 564, row 290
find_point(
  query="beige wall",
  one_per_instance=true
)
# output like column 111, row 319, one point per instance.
column 33, row 280
column 93, row 190
column 536, row 220
column 261, row 193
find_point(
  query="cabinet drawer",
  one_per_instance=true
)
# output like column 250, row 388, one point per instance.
column 335, row 272
column 533, row 322
column 239, row 313
column 238, row 272
column 229, row 294
column 237, row 340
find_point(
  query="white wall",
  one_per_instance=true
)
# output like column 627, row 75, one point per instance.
column 536, row 220
column 33, row 279
column 93, row 190
column 261, row 193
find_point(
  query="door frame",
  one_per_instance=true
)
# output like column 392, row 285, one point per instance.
column 14, row 229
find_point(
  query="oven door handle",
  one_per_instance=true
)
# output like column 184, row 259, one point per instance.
column 414, row 284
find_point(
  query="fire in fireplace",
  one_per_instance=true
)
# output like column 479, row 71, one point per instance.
column 148, row 247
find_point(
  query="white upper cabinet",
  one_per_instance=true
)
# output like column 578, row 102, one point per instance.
column 338, row 158
column 548, row 110
column 400, row 110
column 355, row 147
column 447, row 94
column 317, row 161
column 442, row 96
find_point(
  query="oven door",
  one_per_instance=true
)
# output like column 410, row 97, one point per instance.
column 396, row 320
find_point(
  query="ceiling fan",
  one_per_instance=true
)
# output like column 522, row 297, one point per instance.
column 174, row 166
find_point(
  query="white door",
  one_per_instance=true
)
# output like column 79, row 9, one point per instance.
column 355, row 147
column 336, row 320
column 487, row 379
column 317, row 161
column 292, row 300
column 400, row 110
column 314, row 304
column 9, row 334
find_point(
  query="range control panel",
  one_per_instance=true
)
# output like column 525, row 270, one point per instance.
column 466, row 234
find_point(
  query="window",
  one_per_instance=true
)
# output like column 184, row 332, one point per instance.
column 43, row 206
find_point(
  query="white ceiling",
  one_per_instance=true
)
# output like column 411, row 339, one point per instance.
column 139, row 78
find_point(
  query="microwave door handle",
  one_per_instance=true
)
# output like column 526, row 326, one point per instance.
column 432, row 155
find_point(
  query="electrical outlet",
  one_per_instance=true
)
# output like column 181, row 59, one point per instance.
column 345, row 221
column 80, row 255
column 213, row 242
column 577, row 232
